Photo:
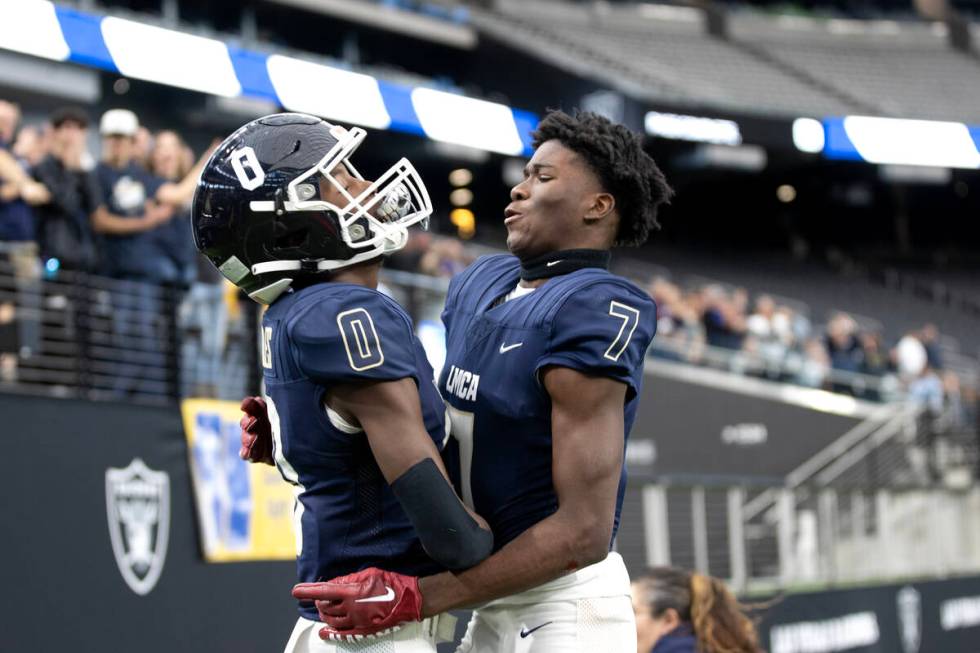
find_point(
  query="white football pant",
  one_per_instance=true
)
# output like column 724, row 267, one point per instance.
column 589, row 611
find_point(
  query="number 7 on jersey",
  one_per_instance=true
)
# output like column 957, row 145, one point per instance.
column 630, row 317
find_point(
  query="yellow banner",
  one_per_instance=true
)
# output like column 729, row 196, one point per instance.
column 244, row 510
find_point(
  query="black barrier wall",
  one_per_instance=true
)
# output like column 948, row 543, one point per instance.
column 698, row 429
column 62, row 589
column 928, row 617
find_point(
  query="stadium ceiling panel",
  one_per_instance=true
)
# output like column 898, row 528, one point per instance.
column 165, row 56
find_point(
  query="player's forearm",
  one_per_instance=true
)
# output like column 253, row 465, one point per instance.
column 551, row 548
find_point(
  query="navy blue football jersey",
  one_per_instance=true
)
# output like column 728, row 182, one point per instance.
column 347, row 517
column 589, row 320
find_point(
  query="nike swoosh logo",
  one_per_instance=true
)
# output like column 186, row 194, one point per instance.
column 525, row 632
column 553, row 263
column 381, row 598
column 506, row 349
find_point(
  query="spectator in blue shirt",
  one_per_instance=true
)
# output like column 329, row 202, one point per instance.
column 129, row 210
column 682, row 612
column 172, row 161
column 16, row 217
column 929, row 336
column 723, row 318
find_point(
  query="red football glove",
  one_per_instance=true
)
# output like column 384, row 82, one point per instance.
column 368, row 603
column 256, row 432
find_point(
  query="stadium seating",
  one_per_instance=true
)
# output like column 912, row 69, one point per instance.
column 670, row 48
column 779, row 65
column 860, row 57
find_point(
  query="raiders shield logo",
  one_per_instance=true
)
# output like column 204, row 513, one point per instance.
column 138, row 510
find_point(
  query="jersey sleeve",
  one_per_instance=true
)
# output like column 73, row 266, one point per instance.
column 350, row 336
column 603, row 329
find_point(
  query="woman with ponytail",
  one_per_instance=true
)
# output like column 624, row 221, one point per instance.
column 682, row 612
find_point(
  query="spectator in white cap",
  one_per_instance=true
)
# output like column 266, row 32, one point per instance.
column 128, row 206
column 127, row 218
column 134, row 200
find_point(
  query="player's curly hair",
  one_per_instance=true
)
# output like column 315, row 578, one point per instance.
column 616, row 155
column 719, row 622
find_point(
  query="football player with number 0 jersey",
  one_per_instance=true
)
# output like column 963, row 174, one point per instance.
column 351, row 417
column 543, row 372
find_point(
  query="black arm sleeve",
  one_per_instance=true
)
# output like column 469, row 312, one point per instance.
column 448, row 533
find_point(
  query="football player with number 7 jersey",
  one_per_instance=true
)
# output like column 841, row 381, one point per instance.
column 543, row 372
column 351, row 418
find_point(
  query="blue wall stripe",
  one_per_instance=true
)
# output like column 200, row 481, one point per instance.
column 83, row 33
column 526, row 123
column 838, row 145
column 975, row 134
column 253, row 75
column 398, row 102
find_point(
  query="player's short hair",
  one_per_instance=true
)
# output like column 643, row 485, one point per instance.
column 625, row 170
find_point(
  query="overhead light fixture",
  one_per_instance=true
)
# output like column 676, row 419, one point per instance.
column 328, row 92
column 808, row 135
column 169, row 57
column 465, row 222
column 692, row 128
column 461, row 197
column 902, row 142
column 460, row 177
column 32, row 27
column 467, row 121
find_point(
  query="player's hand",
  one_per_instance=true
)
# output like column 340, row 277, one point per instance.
column 256, row 432
column 368, row 603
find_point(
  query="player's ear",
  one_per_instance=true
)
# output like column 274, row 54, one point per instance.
column 601, row 206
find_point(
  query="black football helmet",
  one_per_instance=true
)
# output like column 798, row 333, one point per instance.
column 259, row 215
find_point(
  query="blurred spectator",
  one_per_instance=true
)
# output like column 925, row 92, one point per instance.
column 683, row 612
column 409, row 258
column 126, row 220
column 129, row 210
column 771, row 333
column 927, row 392
column 874, row 358
column 724, row 321
column 678, row 326
column 929, row 336
column 842, row 343
column 815, row 366
column 31, row 145
column 9, row 119
column 67, row 194
column 910, row 357
column 172, row 162
column 18, row 242
column 203, row 311
column 16, row 217
column 143, row 145
column 446, row 257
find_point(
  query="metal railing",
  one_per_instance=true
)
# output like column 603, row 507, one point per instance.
column 875, row 504
column 808, row 537
column 71, row 334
